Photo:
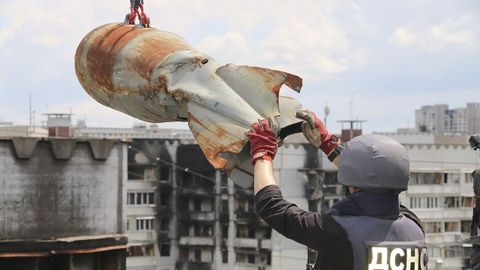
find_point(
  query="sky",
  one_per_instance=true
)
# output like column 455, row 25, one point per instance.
column 370, row 60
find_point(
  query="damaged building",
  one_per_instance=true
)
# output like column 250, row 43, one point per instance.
column 62, row 204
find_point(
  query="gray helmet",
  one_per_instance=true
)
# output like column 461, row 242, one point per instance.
column 374, row 163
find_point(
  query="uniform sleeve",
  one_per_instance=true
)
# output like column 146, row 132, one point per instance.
column 319, row 232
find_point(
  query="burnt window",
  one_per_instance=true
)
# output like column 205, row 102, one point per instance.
column 224, row 256
column 165, row 174
column 225, row 231
column 164, row 224
column 197, row 205
column 164, row 198
column 141, row 251
column 198, row 255
column 251, row 258
column 223, row 179
column 164, row 250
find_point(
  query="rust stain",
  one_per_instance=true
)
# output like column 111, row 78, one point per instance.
column 293, row 81
column 180, row 96
column 146, row 52
column 151, row 51
column 154, row 89
column 102, row 53
column 212, row 141
column 272, row 76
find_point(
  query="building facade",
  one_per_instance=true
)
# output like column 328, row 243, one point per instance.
column 182, row 214
column 62, row 204
column 440, row 193
column 439, row 119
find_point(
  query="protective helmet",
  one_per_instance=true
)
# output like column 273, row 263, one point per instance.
column 374, row 163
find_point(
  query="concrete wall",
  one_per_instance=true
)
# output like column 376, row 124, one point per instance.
column 46, row 185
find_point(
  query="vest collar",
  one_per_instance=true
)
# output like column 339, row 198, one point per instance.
column 363, row 203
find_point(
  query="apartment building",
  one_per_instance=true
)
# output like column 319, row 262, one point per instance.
column 439, row 119
column 183, row 214
column 440, row 193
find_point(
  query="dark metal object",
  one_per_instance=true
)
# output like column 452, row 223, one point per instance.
column 475, row 141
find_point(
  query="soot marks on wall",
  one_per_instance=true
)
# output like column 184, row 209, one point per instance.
column 312, row 158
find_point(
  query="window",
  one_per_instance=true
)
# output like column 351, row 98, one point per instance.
column 149, row 174
column 197, row 205
column 451, row 178
column 224, row 256
column 468, row 178
column 434, row 252
column 452, row 226
column 433, row 227
column 467, row 202
column 425, row 179
column 453, row 202
column 141, row 198
column 223, row 179
column 164, row 224
column 465, row 226
column 453, row 251
column 225, row 206
column 131, row 198
column 165, row 173
column 141, row 250
column 251, row 258
column 198, row 255
column 164, row 199
column 144, row 224
column 240, row 257
column 424, row 202
column 164, row 250
column 225, row 231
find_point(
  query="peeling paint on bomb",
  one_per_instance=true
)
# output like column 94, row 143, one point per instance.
column 157, row 76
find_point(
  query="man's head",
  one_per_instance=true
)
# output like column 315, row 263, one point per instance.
column 374, row 163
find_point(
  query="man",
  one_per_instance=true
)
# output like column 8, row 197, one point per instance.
column 366, row 230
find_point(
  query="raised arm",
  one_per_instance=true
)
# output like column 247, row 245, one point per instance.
column 317, row 134
column 317, row 231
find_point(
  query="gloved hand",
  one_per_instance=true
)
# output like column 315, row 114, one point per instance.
column 263, row 139
column 316, row 133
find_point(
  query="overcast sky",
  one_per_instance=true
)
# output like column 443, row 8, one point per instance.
column 388, row 57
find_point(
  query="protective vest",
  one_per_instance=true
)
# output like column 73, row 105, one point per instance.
column 385, row 244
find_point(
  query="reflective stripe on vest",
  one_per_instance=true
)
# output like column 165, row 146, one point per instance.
column 385, row 244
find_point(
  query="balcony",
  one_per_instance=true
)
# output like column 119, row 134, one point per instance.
column 247, row 217
column 193, row 266
column 252, row 243
column 164, row 211
column 195, row 191
column 434, row 189
column 195, row 241
column 464, row 213
column 197, row 216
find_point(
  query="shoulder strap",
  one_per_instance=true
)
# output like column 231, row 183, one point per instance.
column 409, row 214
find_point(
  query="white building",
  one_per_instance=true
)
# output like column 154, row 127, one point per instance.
column 439, row 119
column 441, row 194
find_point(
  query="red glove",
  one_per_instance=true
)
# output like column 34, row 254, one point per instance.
column 316, row 133
column 263, row 139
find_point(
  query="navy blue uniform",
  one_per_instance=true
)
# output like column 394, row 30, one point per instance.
column 363, row 231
